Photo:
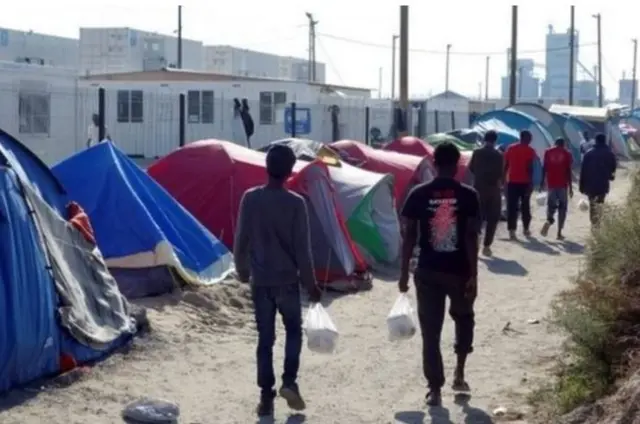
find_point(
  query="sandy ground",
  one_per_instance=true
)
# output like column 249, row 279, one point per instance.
column 200, row 353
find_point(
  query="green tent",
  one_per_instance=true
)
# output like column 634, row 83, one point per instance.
column 365, row 199
column 435, row 139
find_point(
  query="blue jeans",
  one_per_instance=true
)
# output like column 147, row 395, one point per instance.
column 557, row 200
column 267, row 301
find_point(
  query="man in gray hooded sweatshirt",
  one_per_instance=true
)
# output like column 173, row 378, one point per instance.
column 272, row 247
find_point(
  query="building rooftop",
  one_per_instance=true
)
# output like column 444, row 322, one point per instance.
column 185, row 75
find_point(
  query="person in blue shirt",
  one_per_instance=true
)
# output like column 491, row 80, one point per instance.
column 597, row 170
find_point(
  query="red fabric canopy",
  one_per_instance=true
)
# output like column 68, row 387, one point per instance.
column 407, row 170
column 417, row 147
column 209, row 177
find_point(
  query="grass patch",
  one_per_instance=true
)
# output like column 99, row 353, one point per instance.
column 600, row 313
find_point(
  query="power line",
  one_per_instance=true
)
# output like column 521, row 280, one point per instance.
column 443, row 52
column 330, row 62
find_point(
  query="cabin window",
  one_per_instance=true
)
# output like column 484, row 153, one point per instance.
column 34, row 112
column 130, row 106
column 270, row 102
column 200, row 107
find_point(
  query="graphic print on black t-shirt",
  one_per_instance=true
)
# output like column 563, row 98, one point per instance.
column 442, row 209
column 443, row 223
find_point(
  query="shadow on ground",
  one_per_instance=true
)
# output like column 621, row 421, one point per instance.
column 501, row 266
column 441, row 415
column 291, row 419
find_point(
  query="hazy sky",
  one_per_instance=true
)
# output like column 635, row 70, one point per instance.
column 474, row 28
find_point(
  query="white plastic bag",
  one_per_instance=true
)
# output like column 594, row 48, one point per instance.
column 322, row 335
column 400, row 321
column 583, row 205
column 541, row 199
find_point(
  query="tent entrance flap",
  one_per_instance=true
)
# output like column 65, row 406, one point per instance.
column 374, row 223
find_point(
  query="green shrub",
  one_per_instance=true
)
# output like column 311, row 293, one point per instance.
column 601, row 312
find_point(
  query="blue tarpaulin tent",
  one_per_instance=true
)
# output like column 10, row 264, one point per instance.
column 48, row 274
column 139, row 227
column 508, row 124
column 548, row 121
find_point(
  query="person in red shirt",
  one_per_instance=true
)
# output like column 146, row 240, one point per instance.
column 519, row 160
column 558, row 163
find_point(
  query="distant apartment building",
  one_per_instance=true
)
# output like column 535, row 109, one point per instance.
column 109, row 50
column 527, row 84
column 625, row 90
column 558, row 55
column 41, row 49
column 250, row 63
column 585, row 93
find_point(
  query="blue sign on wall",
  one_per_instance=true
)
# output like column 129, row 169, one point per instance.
column 303, row 121
column 4, row 37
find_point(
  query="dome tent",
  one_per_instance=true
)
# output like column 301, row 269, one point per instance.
column 547, row 120
column 209, row 177
column 365, row 198
column 56, row 297
column 508, row 124
column 158, row 234
column 407, row 170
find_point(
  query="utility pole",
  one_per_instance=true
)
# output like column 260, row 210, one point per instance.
column 380, row 82
column 312, row 47
column 598, row 18
column 572, row 47
column 486, row 80
column 179, row 37
column 634, row 87
column 393, row 66
column 404, row 64
column 446, row 74
column 514, row 55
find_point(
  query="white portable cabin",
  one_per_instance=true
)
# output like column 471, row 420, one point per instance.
column 38, row 106
column 142, row 108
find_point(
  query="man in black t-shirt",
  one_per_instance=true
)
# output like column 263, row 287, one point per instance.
column 446, row 214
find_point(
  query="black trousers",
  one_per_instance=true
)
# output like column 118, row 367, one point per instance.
column 518, row 202
column 490, row 211
column 432, row 290
column 595, row 208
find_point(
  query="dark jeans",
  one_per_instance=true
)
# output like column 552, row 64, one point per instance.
column 557, row 199
column 267, row 301
column 595, row 208
column 490, row 211
column 432, row 290
column 518, row 202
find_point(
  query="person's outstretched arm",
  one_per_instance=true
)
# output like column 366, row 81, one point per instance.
column 242, row 241
column 302, row 247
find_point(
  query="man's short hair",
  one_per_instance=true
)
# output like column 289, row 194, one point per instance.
column 601, row 138
column 525, row 135
column 280, row 161
column 491, row 136
column 560, row 141
column 446, row 155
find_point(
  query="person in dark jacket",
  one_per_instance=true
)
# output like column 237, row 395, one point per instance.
column 272, row 247
column 487, row 166
column 596, row 173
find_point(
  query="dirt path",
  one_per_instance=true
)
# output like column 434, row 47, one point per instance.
column 201, row 355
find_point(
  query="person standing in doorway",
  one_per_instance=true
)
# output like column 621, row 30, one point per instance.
column 446, row 214
column 556, row 171
column 93, row 133
column 597, row 171
column 519, row 160
column 487, row 166
column 272, row 247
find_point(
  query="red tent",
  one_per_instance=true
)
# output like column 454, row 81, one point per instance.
column 411, row 146
column 209, row 177
column 418, row 147
column 407, row 170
